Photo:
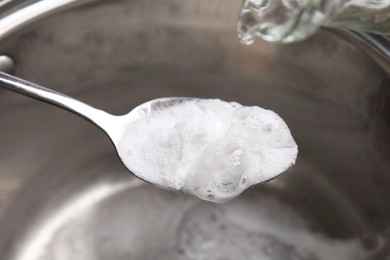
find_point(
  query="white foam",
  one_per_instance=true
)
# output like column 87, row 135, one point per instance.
column 209, row 148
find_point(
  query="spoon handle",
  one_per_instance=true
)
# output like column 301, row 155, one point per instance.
column 93, row 115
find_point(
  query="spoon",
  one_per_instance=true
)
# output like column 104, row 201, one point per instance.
column 113, row 126
column 221, row 172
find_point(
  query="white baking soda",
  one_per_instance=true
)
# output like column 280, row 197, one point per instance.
column 208, row 147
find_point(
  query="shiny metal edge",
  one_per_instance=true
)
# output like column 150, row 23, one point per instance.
column 376, row 46
column 28, row 11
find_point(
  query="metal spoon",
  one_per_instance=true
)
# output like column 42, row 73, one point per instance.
column 113, row 126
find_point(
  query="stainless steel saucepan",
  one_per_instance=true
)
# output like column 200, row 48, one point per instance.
column 65, row 195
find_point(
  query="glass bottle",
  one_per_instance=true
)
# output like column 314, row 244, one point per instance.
column 293, row 20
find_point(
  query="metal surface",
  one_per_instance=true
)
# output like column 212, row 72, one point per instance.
column 64, row 194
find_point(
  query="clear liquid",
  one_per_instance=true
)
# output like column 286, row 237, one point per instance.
column 294, row 20
column 265, row 19
column 360, row 18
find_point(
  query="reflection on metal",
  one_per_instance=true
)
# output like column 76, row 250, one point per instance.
column 25, row 14
column 74, row 208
